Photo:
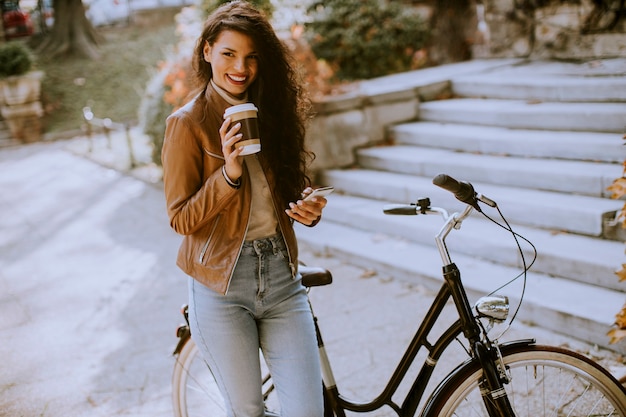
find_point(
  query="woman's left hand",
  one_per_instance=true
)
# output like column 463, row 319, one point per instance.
column 306, row 212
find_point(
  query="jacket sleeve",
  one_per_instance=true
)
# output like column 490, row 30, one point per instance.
column 191, row 200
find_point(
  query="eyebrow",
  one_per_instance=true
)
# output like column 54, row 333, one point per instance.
column 229, row 49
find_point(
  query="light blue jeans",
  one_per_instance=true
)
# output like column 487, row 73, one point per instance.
column 264, row 307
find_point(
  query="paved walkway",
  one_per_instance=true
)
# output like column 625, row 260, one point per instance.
column 90, row 295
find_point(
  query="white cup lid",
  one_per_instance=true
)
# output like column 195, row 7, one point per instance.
column 238, row 108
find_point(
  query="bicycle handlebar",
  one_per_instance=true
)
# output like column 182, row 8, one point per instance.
column 462, row 190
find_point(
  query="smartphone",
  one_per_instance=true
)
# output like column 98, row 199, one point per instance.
column 319, row 192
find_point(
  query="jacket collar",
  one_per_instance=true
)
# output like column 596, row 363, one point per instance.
column 228, row 97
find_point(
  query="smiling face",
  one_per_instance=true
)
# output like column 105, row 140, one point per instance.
column 234, row 61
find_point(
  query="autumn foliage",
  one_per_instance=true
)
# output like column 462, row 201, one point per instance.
column 618, row 190
column 177, row 85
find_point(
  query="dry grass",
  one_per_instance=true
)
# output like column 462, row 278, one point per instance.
column 112, row 85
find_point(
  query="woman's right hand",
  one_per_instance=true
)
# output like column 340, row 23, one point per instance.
column 232, row 160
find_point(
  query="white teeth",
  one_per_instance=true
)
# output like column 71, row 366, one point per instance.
column 236, row 78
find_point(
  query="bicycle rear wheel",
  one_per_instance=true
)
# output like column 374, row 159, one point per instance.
column 545, row 381
column 195, row 392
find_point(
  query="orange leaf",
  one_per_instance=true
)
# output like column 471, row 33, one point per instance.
column 618, row 187
column 621, row 215
column 620, row 318
column 621, row 273
column 616, row 335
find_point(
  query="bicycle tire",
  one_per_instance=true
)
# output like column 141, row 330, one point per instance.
column 545, row 381
column 195, row 392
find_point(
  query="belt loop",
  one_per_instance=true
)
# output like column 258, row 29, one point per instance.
column 278, row 243
column 275, row 248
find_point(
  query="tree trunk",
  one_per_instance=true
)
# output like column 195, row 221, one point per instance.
column 72, row 33
column 452, row 23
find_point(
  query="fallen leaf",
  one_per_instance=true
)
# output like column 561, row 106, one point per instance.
column 616, row 335
column 620, row 318
column 621, row 273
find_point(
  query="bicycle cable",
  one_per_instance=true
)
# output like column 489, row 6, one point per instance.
column 526, row 267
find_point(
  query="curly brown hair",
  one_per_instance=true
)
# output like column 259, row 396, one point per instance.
column 277, row 92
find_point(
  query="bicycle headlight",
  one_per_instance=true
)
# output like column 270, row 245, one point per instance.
column 495, row 307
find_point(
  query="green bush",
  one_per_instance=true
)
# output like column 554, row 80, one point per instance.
column 363, row 39
column 263, row 5
column 15, row 59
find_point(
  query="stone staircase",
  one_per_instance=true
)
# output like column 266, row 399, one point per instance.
column 542, row 139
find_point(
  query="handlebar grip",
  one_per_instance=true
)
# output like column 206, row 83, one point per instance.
column 402, row 209
column 463, row 191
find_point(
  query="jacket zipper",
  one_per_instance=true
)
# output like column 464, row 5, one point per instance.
column 206, row 244
column 232, row 271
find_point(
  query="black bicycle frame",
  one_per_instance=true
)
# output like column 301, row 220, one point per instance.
column 411, row 402
column 452, row 287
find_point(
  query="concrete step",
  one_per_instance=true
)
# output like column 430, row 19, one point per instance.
column 584, row 178
column 552, row 303
column 585, row 259
column 543, row 87
column 546, row 210
column 587, row 146
column 522, row 114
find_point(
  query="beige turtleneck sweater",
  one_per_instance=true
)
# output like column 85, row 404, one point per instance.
column 263, row 222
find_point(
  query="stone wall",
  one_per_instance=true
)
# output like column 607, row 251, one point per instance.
column 551, row 29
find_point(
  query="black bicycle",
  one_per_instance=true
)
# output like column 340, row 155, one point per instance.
column 518, row 378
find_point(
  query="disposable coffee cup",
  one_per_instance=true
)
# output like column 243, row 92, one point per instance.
column 246, row 114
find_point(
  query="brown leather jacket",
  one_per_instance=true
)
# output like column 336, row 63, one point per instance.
column 210, row 214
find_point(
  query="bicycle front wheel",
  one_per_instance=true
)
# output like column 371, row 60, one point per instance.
column 195, row 392
column 544, row 381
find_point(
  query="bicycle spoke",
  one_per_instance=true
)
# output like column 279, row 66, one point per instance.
column 547, row 382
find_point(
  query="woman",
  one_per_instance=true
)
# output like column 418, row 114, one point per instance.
column 237, row 212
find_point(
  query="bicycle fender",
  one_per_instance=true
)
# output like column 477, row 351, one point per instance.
column 443, row 386
column 184, row 334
